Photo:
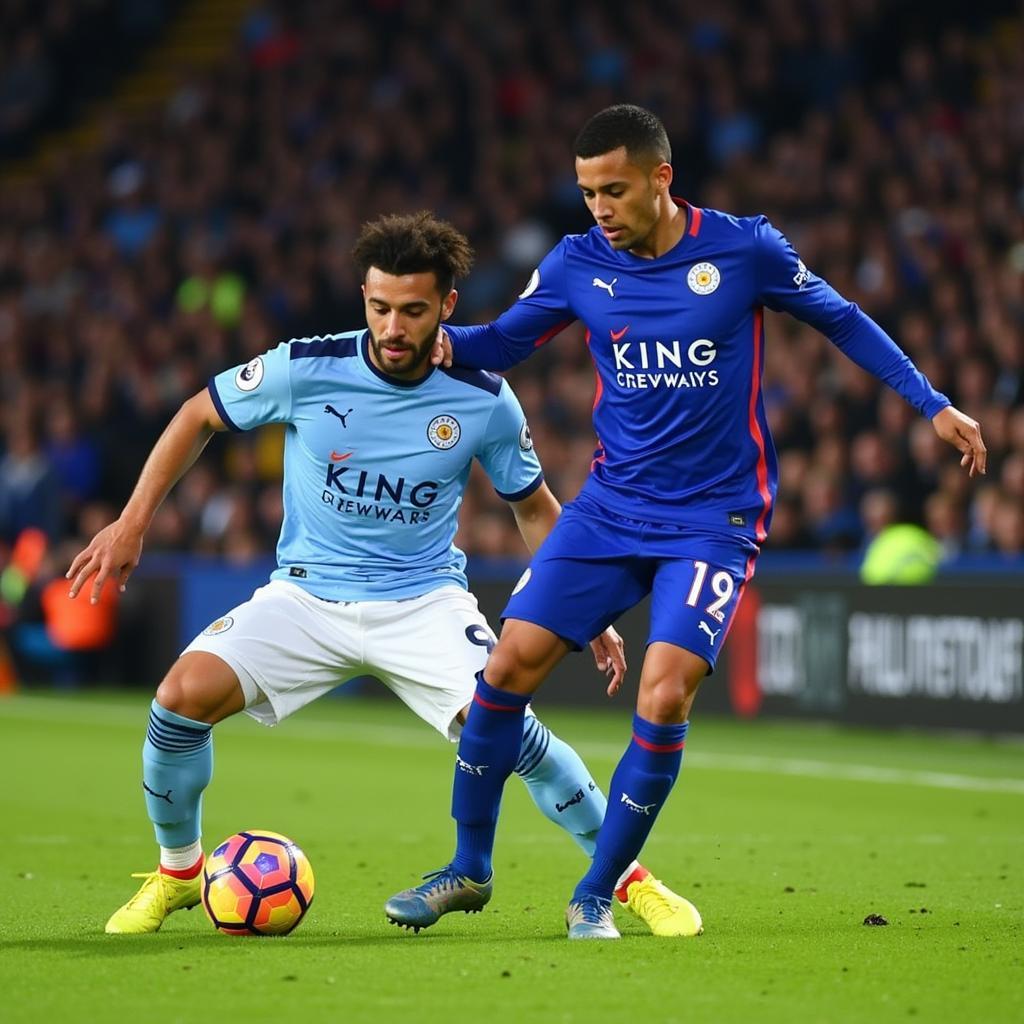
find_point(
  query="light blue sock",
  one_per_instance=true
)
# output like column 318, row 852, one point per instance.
column 177, row 765
column 560, row 784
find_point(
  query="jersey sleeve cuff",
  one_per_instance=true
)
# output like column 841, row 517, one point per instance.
column 211, row 386
column 935, row 405
column 525, row 492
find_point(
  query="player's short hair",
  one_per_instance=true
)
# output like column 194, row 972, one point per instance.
column 636, row 128
column 413, row 244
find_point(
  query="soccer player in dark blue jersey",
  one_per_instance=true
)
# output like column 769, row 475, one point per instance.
column 680, row 495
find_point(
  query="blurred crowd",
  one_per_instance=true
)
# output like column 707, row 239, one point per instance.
column 885, row 140
column 56, row 56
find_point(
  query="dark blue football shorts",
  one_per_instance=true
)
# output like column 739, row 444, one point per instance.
column 595, row 565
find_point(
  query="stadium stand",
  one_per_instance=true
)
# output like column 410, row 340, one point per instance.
column 200, row 231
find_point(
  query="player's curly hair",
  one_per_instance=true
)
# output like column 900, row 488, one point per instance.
column 412, row 244
column 636, row 128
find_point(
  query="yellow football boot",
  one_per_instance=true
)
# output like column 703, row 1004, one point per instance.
column 158, row 896
column 666, row 913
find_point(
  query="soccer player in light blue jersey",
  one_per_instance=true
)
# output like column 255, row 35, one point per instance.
column 683, row 480
column 378, row 450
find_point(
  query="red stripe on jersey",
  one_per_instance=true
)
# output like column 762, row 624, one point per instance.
column 598, row 383
column 755, row 427
column 658, row 748
column 598, row 392
column 491, row 706
column 548, row 335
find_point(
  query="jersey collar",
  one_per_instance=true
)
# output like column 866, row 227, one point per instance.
column 364, row 352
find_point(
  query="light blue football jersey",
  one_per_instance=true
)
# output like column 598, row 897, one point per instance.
column 375, row 468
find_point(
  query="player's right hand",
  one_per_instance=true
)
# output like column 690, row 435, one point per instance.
column 610, row 655
column 113, row 553
column 442, row 350
column 964, row 434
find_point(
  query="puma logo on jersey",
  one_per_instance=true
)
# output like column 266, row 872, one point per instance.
column 707, row 629
column 341, row 415
column 598, row 283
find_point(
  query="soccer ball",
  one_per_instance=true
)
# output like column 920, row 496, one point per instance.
column 257, row 883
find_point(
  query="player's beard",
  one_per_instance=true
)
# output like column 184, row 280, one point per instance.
column 411, row 366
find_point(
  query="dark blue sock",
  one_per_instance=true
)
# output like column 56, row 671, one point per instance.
column 640, row 786
column 488, row 751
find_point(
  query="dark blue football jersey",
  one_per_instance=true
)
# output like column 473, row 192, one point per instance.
column 678, row 346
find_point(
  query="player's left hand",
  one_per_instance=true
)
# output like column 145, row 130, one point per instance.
column 442, row 350
column 964, row 434
column 610, row 655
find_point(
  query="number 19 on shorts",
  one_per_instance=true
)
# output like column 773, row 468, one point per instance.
column 720, row 584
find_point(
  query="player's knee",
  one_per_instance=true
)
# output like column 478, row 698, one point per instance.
column 503, row 666
column 186, row 693
column 170, row 694
column 514, row 666
column 668, row 700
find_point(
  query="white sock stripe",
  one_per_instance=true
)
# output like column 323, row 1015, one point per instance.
column 178, row 858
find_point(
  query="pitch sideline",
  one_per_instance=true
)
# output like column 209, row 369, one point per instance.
column 57, row 709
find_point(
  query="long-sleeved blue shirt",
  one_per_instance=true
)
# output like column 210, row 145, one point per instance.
column 678, row 347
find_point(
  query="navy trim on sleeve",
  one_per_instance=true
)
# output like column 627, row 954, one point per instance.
column 219, row 406
column 482, row 379
column 525, row 492
column 330, row 345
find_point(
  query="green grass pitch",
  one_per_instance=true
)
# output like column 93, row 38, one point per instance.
column 786, row 836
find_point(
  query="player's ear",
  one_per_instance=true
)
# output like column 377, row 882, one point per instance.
column 662, row 177
column 448, row 305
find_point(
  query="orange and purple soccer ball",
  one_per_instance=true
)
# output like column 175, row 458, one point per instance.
column 257, row 883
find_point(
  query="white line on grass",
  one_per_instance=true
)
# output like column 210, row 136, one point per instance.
column 57, row 709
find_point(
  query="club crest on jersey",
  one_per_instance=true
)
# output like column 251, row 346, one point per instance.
column 532, row 285
column 444, row 432
column 525, row 438
column 703, row 278
column 250, row 376
column 221, row 625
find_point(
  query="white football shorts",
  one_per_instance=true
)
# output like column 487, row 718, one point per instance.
column 288, row 647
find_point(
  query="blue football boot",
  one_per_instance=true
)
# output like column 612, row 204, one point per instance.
column 443, row 892
column 590, row 917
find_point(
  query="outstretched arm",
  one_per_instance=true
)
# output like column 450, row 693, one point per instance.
column 786, row 284
column 116, row 549
column 536, row 516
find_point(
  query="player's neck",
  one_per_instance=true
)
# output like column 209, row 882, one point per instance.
column 665, row 234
